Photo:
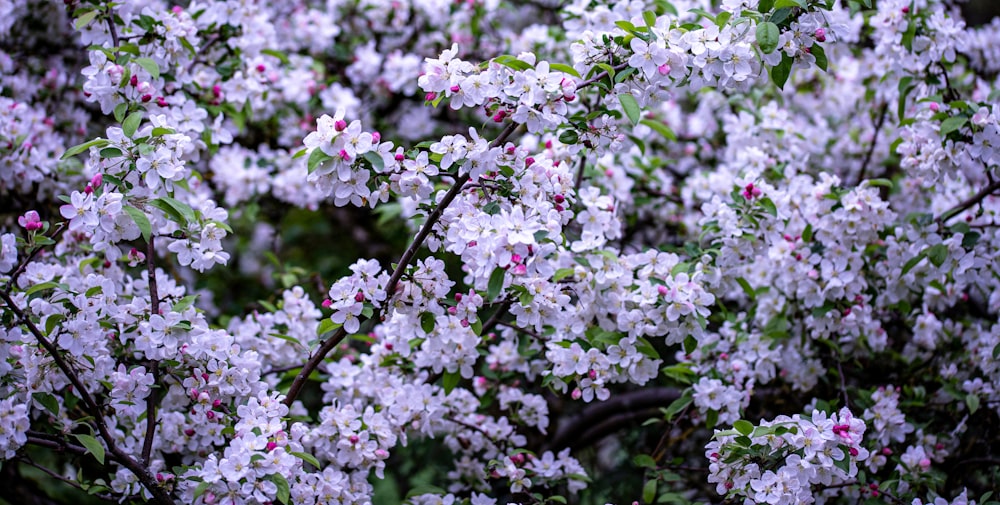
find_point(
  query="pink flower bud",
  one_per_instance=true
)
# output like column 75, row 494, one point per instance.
column 340, row 125
column 327, row 303
column 359, row 297
column 662, row 290
column 663, row 69
column 529, row 161
column 430, row 97
column 146, row 98
column 905, row 9
column 456, row 88
column 217, row 91
column 376, row 137
column 134, row 81
column 576, row 394
column 400, row 157
column 210, row 415
column 353, row 439
column 559, row 198
column 820, row 35
column 261, row 68
column 270, row 446
column 933, row 106
column 344, row 156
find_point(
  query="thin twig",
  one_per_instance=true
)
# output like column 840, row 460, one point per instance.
column 50, row 473
column 31, row 257
column 883, row 112
column 495, row 318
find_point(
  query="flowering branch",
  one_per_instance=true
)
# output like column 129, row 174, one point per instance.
column 160, row 495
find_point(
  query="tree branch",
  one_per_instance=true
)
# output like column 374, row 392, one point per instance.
column 160, row 495
column 151, row 399
column 978, row 197
column 597, row 420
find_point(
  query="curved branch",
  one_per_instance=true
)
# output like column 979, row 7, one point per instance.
column 601, row 419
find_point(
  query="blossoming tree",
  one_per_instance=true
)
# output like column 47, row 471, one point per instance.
column 753, row 240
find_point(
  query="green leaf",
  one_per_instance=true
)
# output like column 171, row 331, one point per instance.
column 744, row 427
column 131, row 123
column 200, row 490
column 885, row 183
column 843, row 464
column 41, row 287
column 564, row 68
column 938, row 254
column 150, row 66
column 86, row 18
column 660, row 128
column 650, row 18
column 79, row 148
column 176, row 210
column 630, row 106
column 512, row 62
column 649, row 491
column 569, row 137
column 817, row 51
column 427, row 322
column 316, row 158
column 972, row 401
column 449, row 380
column 789, row 3
column 48, row 401
column 952, row 124
column 711, row 418
column 120, row 111
column 912, row 262
column 111, row 152
column 52, row 321
column 283, row 491
column 807, row 234
column 690, row 344
column 703, row 13
column 747, row 288
column 140, row 220
column 769, row 206
column 781, row 71
column 563, row 273
column 495, row 284
column 184, row 303
column 678, row 405
column 160, row 131
column 767, row 37
column 765, row 6
column 644, row 461
column 277, row 54
column 93, row 447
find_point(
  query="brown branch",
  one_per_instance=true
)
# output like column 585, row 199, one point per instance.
column 495, row 318
column 978, row 197
column 160, row 495
column 883, row 112
column 623, row 407
column 151, row 399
